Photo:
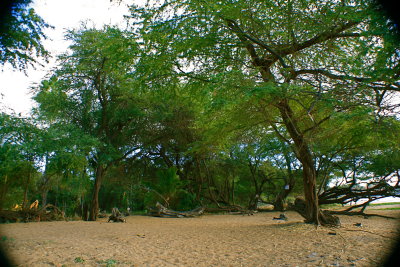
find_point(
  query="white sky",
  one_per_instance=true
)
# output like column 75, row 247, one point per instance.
column 14, row 85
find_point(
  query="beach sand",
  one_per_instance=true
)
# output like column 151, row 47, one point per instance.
column 210, row 240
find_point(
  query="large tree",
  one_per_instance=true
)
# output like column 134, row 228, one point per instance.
column 93, row 91
column 296, row 62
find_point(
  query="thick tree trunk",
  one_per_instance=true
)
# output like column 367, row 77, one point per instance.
column 309, row 182
column 94, row 209
column 308, row 208
column 304, row 155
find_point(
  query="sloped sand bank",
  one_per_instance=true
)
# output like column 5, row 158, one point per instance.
column 210, row 240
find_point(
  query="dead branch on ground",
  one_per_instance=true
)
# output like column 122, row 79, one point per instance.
column 161, row 211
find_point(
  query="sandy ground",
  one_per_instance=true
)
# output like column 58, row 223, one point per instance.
column 210, row 240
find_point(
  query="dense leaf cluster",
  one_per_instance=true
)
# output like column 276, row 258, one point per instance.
column 21, row 35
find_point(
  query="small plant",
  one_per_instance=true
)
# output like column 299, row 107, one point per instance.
column 5, row 238
column 79, row 260
column 110, row 262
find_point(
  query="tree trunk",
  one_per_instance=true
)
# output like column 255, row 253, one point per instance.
column 280, row 199
column 3, row 193
column 309, row 182
column 28, row 180
column 253, row 203
column 44, row 196
column 304, row 155
column 94, row 209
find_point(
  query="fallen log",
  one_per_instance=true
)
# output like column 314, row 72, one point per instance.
column 161, row 211
column 234, row 209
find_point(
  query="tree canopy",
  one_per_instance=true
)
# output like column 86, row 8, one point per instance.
column 223, row 104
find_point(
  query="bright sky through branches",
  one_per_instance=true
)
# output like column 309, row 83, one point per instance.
column 15, row 85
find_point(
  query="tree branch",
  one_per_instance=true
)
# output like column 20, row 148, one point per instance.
column 233, row 25
column 331, row 75
column 332, row 33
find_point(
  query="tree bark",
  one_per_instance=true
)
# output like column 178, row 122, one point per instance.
column 303, row 154
column 44, row 197
column 94, row 209
column 28, row 180
column 3, row 192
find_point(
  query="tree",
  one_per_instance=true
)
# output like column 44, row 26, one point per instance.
column 360, row 162
column 64, row 164
column 19, row 153
column 287, row 59
column 21, row 34
column 93, row 90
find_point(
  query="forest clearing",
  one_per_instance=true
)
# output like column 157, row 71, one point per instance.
column 210, row 240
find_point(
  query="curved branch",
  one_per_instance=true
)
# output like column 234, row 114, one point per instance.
column 332, row 33
column 331, row 75
column 233, row 25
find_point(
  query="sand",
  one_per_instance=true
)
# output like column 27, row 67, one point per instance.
column 210, row 240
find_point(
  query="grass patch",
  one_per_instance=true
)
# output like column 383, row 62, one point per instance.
column 396, row 208
column 331, row 206
column 79, row 260
column 385, row 204
column 4, row 238
column 109, row 262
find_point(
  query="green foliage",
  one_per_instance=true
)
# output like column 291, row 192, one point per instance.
column 168, row 182
column 210, row 102
column 6, row 238
column 21, row 35
column 170, row 190
column 109, row 262
column 79, row 260
column 19, row 155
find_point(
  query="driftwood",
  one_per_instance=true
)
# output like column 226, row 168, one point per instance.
column 234, row 209
column 46, row 213
column 161, row 211
column 116, row 216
